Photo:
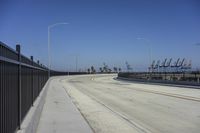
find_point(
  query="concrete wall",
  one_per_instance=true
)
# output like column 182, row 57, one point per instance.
column 166, row 82
column 31, row 121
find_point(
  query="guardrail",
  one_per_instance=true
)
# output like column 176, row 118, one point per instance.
column 179, row 78
column 21, row 80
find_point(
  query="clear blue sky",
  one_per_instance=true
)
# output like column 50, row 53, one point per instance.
column 103, row 30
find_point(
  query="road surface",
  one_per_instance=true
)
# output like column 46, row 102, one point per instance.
column 112, row 106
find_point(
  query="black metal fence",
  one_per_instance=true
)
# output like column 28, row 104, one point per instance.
column 59, row 73
column 21, row 80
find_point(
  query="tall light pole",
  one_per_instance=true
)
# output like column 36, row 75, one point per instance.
column 150, row 49
column 76, row 63
column 49, row 27
column 198, row 44
column 75, row 58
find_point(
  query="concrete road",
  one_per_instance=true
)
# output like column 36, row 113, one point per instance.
column 59, row 115
column 111, row 106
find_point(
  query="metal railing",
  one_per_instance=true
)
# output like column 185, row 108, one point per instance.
column 183, row 78
column 21, row 81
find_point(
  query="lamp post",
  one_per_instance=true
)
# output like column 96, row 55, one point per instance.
column 76, row 63
column 49, row 27
column 150, row 50
column 198, row 44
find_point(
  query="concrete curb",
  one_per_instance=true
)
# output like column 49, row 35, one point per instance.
column 31, row 121
column 160, row 82
column 59, row 114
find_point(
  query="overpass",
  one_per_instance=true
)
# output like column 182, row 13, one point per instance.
column 32, row 103
column 99, row 103
column 21, row 81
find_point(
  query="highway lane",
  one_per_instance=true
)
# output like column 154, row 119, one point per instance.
column 109, row 105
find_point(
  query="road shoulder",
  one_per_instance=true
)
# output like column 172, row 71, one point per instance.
column 60, row 114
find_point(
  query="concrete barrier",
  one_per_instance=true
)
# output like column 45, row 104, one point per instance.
column 164, row 82
column 31, row 121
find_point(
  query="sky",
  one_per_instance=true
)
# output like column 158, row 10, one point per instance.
column 110, row 31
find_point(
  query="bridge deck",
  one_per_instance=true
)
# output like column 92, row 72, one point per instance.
column 59, row 114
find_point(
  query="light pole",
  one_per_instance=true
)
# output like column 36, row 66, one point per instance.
column 75, row 57
column 197, row 44
column 76, row 63
column 150, row 49
column 49, row 27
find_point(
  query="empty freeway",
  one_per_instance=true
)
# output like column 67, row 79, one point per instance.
column 112, row 106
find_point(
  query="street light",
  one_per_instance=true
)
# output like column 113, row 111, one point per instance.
column 150, row 50
column 76, row 62
column 76, row 59
column 49, row 27
column 198, row 44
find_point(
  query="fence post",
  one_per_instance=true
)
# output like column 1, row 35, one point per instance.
column 38, row 62
column 32, row 74
column 18, row 49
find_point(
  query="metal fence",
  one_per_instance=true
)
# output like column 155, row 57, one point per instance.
column 179, row 78
column 21, row 80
